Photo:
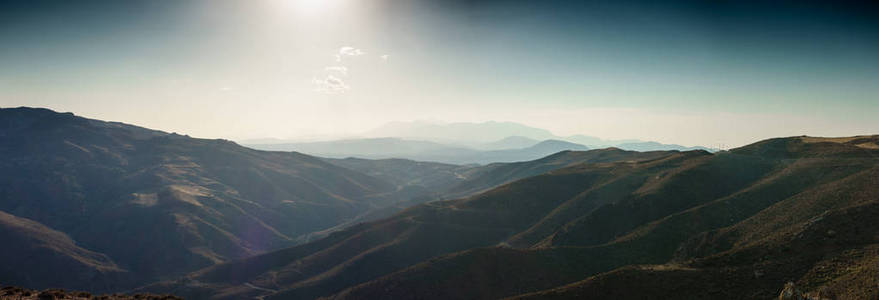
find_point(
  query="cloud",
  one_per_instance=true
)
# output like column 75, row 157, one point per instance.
column 348, row 51
column 330, row 82
column 340, row 69
column 384, row 57
column 351, row 51
column 330, row 85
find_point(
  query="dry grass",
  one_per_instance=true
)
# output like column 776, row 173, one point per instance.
column 862, row 141
column 841, row 140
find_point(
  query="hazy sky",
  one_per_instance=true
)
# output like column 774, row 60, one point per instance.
column 687, row 72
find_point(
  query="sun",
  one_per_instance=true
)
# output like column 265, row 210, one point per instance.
column 311, row 10
column 312, row 7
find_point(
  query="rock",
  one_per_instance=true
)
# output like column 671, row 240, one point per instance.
column 790, row 292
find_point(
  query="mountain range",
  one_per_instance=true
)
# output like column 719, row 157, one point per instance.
column 385, row 148
column 127, row 193
column 457, row 143
column 111, row 207
column 699, row 225
column 119, row 205
column 506, row 135
column 459, row 133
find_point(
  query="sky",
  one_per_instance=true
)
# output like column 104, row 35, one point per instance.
column 687, row 72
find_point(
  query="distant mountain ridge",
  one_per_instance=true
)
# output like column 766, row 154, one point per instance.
column 655, row 146
column 456, row 143
column 375, row 148
column 388, row 148
column 475, row 134
column 510, row 142
column 459, row 133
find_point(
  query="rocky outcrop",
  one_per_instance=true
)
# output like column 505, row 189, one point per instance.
column 791, row 292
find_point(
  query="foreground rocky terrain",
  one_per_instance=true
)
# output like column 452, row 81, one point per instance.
column 17, row 293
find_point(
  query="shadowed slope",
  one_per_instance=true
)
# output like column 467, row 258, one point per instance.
column 161, row 204
column 833, row 257
column 425, row 181
column 795, row 174
column 40, row 252
column 374, row 249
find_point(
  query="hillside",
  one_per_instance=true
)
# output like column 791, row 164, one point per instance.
column 601, row 225
column 428, row 177
column 39, row 252
column 426, row 181
column 446, row 181
column 825, row 241
column 160, row 205
column 492, row 175
column 370, row 250
column 808, row 219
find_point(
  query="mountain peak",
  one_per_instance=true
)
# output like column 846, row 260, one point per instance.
column 460, row 132
column 511, row 142
column 559, row 144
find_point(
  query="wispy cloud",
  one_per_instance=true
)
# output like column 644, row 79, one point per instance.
column 330, row 79
column 340, row 69
column 351, row 51
column 348, row 51
column 330, row 85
